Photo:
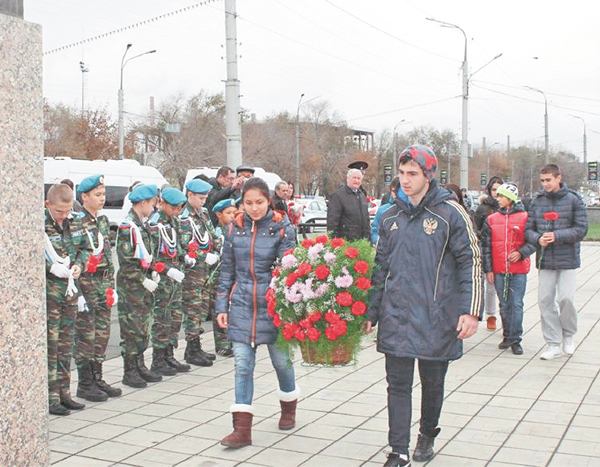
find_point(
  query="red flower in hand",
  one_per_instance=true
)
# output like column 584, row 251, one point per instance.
column 332, row 317
column 110, row 296
column 330, row 333
column 344, row 298
column 315, row 317
column 308, row 242
column 193, row 245
column 313, row 334
column 300, row 335
column 551, row 216
column 322, row 272
column 322, row 239
column 361, row 267
column 337, row 242
column 359, row 308
column 351, row 252
column 363, row 283
column 303, row 269
column 144, row 263
column 92, row 263
column 192, row 254
column 159, row 266
column 290, row 279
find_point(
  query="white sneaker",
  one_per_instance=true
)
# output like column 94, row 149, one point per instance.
column 551, row 352
column 569, row 345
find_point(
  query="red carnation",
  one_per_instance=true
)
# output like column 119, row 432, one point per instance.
column 551, row 216
column 192, row 254
column 361, row 267
column 363, row 283
column 110, row 296
column 193, row 245
column 270, row 295
column 344, row 298
column 277, row 320
column 337, row 242
column 92, row 264
column 340, row 327
column 303, row 269
column 308, row 242
column 276, row 272
column 315, row 317
column 291, row 278
column 313, row 334
column 159, row 267
column 322, row 239
column 305, row 323
column 288, row 252
column 144, row 263
column 300, row 335
column 351, row 252
column 359, row 308
column 332, row 317
column 322, row 272
column 271, row 308
column 330, row 333
column 288, row 331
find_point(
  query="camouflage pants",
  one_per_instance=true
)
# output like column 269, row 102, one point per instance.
column 166, row 314
column 93, row 327
column 195, row 301
column 222, row 343
column 135, row 315
column 61, row 312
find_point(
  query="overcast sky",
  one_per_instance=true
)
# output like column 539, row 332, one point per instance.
column 377, row 62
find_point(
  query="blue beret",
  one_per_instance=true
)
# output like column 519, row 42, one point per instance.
column 173, row 196
column 89, row 183
column 142, row 192
column 198, row 186
column 238, row 201
column 224, row 203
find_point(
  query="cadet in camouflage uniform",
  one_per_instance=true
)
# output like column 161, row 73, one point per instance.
column 168, row 254
column 197, row 237
column 63, row 234
column 225, row 211
column 96, row 283
column 135, row 286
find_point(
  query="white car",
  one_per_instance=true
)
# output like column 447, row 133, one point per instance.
column 314, row 211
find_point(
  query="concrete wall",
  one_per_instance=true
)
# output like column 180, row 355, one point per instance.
column 23, row 362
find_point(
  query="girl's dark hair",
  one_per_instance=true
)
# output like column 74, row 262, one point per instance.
column 454, row 189
column 493, row 180
column 256, row 183
column 395, row 184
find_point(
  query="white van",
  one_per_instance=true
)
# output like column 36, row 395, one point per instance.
column 119, row 175
column 271, row 178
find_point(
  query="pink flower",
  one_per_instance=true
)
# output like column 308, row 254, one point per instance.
column 329, row 257
column 289, row 261
column 343, row 282
column 313, row 251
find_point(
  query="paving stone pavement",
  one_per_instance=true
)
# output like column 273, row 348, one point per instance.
column 499, row 410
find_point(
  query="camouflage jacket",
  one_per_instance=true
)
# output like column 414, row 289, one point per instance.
column 93, row 226
column 197, row 234
column 131, row 268
column 65, row 239
column 165, row 233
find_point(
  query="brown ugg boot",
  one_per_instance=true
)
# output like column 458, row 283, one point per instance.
column 242, row 427
column 288, row 401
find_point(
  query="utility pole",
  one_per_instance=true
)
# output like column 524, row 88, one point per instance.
column 584, row 141
column 84, row 70
column 233, row 127
column 297, row 182
column 546, row 137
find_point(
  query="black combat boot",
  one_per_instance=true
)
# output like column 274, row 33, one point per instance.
column 103, row 385
column 131, row 376
column 173, row 363
column 424, row 450
column 66, row 401
column 159, row 364
column 86, row 387
column 192, row 354
column 58, row 409
column 207, row 355
column 144, row 372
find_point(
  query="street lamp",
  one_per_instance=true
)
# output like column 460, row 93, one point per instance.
column 84, row 69
column 300, row 104
column 584, row 140
column 545, row 121
column 464, row 144
column 121, row 131
column 395, row 154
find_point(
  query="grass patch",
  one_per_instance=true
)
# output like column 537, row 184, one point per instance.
column 593, row 233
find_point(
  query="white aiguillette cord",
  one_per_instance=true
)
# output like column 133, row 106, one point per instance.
column 53, row 257
column 137, row 243
column 96, row 249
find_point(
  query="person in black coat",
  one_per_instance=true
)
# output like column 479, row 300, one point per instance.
column 278, row 199
column 348, row 209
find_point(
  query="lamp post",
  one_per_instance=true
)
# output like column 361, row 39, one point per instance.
column 464, row 143
column 121, row 130
column 395, row 154
column 584, row 140
column 84, row 70
column 546, row 154
column 300, row 104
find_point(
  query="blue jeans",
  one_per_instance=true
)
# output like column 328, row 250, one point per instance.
column 511, row 309
column 245, row 357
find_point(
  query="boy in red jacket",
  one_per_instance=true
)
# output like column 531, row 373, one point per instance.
column 506, row 262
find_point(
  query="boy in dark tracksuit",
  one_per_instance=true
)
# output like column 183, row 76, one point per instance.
column 506, row 262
